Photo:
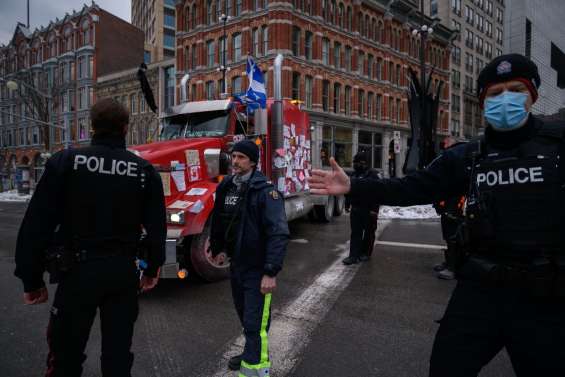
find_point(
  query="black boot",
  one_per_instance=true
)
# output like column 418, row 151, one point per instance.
column 350, row 260
column 235, row 362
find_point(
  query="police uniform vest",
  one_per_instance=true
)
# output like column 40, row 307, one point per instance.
column 521, row 191
column 230, row 214
column 105, row 192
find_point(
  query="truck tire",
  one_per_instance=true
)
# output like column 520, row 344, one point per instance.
column 202, row 261
column 325, row 212
column 339, row 205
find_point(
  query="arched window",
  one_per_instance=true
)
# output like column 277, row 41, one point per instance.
column 340, row 15
column 372, row 30
column 360, row 18
column 194, row 11
column 68, row 39
column 349, row 20
column 186, row 19
column 366, row 26
column 265, row 33
column 52, row 46
column 332, row 12
column 380, row 32
column 209, row 12
column 85, row 32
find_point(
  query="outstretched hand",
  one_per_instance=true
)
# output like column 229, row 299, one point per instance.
column 329, row 182
column 36, row 297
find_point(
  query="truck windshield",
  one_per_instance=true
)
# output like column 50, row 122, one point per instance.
column 208, row 124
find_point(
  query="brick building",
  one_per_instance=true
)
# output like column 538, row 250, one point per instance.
column 347, row 61
column 63, row 61
column 124, row 87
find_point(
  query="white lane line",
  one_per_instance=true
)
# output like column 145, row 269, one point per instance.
column 415, row 245
column 292, row 326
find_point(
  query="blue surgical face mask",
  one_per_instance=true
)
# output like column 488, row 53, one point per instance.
column 507, row 111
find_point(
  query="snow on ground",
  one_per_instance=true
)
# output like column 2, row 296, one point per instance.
column 13, row 196
column 414, row 212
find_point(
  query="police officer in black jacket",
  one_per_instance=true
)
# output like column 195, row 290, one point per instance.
column 511, row 288
column 97, row 199
column 363, row 218
column 249, row 225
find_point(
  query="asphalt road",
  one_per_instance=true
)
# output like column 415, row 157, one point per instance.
column 377, row 319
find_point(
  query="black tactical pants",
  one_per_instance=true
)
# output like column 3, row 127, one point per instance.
column 363, row 227
column 108, row 284
column 480, row 321
column 449, row 227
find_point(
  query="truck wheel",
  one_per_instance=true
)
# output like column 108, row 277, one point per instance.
column 325, row 213
column 207, row 268
column 339, row 205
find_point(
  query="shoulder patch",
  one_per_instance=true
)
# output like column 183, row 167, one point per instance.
column 274, row 194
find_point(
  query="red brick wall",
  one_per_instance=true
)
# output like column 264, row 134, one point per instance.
column 119, row 45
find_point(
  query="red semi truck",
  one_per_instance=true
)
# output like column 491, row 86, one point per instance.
column 192, row 157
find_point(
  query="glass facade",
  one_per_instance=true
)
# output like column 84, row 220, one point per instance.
column 169, row 93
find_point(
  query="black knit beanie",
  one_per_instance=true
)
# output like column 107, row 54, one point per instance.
column 248, row 148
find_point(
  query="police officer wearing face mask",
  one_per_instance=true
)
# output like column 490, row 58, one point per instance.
column 511, row 286
column 363, row 218
column 98, row 198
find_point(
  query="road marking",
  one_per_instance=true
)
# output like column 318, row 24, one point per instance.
column 416, row 245
column 292, row 327
column 299, row 240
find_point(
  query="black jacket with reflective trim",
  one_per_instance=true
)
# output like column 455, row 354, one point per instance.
column 101, row 196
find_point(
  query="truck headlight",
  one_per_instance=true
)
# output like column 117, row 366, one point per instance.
column 175, row 217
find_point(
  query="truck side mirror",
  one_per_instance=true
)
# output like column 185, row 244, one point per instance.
column 224, row 163
column 212, row 158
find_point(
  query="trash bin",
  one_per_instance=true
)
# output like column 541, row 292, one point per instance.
column 22, row 179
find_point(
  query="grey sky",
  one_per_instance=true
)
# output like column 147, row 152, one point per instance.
column 43, row 11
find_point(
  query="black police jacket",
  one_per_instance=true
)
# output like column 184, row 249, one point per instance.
column 99, row 197
column 518, row 173
column 262, row 229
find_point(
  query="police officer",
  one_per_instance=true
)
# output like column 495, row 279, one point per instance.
column 363, row 218
column 511, row 287
column 98, row 198
column 249, row 224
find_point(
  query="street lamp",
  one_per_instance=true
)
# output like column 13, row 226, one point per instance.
column 222, row 68
column 424, row 31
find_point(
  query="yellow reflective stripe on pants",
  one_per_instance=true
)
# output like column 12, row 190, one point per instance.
column 261, row 369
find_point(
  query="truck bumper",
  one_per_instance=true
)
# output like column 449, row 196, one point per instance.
column 170, row 268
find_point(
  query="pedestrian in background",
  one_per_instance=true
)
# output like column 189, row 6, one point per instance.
column 451, row 212
column 98, row 198
column 363, row 217
column 249, row 225
column 511, row 286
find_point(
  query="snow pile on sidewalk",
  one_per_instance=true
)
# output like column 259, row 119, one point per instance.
column 13, row 196
column 414, row 212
